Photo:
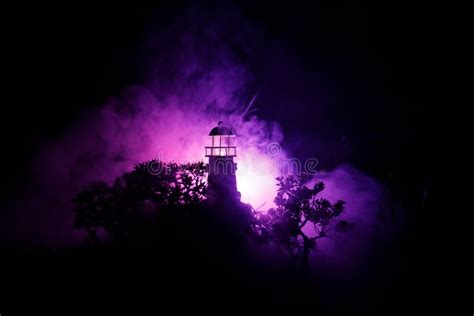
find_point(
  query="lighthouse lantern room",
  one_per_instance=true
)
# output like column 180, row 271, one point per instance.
column 221, row 142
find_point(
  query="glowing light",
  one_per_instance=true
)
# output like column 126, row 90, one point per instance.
column 256, row 173
column 257, row 190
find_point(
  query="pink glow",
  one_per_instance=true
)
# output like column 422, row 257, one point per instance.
column 256, row 173
column 136, row 127
column 168, row 117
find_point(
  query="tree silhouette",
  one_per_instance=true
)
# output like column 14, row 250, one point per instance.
column 160, row 201
column 298, row 207
column 136, row 199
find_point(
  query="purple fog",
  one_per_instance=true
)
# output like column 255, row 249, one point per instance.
column 197, row 81
column 222, row 153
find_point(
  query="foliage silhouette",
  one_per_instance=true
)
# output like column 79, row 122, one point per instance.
column 136, row 199
column 163, row 205
column 297, row 210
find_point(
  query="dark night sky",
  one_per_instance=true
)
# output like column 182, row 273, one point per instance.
column 365, row 72
column 370, row 67
column 360, row 70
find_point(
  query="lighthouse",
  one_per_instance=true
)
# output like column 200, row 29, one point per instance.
column 221, row 150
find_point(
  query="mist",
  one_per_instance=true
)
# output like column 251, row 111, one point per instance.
column 193, row 77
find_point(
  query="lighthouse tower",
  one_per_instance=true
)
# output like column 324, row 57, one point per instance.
column 221, row 150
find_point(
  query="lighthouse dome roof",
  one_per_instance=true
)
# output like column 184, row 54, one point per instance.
column 220, row 130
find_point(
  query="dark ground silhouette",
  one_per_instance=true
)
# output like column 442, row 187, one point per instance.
column 153, row 237
column 381, row 64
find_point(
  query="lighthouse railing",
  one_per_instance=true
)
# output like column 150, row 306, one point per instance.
column 219, row 151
